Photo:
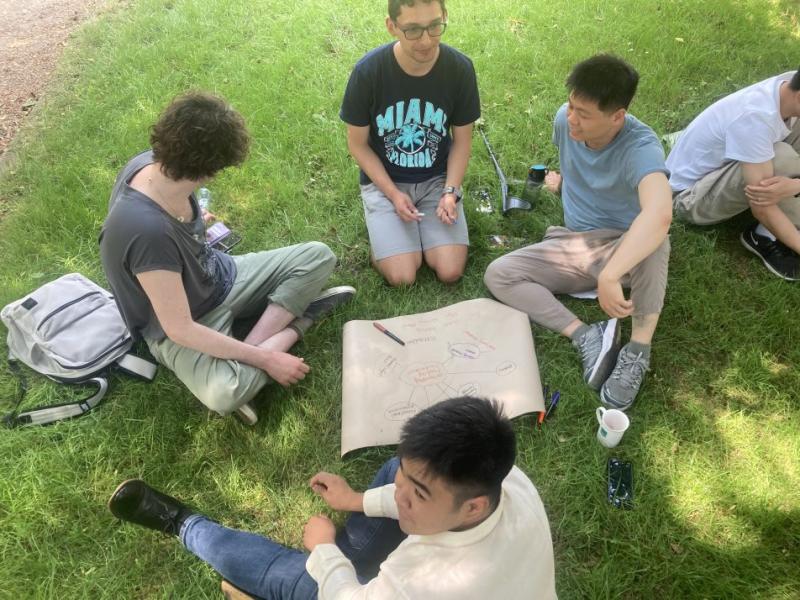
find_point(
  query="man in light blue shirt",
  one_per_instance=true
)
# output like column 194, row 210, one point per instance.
column 617, row 210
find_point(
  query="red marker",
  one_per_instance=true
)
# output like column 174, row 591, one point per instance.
column 383, row 329
column 541, row 418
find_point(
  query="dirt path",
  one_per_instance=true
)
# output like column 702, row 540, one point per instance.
column 33, row 34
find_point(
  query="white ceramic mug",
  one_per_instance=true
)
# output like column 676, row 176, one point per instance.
column 613, row 423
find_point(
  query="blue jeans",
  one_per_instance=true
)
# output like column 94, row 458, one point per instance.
column 271, row 571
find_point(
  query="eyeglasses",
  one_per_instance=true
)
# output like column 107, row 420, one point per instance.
column 415, row 31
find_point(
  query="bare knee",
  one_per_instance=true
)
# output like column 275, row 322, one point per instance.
column 400, row 277
column 449, row 273
column 399, row 270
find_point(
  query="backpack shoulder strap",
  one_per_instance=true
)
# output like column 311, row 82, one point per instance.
column 49, row 414
column 137, row 366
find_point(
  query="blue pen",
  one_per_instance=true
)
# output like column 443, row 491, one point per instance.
column 553, row 402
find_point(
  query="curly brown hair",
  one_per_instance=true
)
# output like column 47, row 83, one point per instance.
column 197, row 135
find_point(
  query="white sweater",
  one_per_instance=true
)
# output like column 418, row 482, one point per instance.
column 507, row 556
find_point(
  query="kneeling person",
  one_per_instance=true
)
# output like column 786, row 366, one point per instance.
column 450, row 518
column 179, row 294
column 617, row 211
column 409, row 108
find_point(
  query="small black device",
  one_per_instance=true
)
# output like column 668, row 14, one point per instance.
column 221, row 238
column 620, row 483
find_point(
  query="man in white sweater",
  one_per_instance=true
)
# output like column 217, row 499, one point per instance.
column 449, row 517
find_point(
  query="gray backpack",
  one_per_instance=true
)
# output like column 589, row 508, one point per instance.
column 71, row 331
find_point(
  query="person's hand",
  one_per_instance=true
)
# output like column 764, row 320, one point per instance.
column 612, row 299
column 318, row 530
column 772, row 190
column 285, row 368
column 405, row 208
column 446, row 211
column 336, row 492
column 207, row 215
column 552, row 182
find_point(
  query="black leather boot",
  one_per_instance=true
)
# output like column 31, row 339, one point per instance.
column 137, row 502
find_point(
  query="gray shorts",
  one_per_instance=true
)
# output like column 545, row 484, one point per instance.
column 389, row 235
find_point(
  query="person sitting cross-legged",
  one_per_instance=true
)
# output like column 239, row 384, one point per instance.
column 617, row 211
column 449, row 518
column 181, row 295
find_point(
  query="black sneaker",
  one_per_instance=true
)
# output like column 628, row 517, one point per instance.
column 322, row 305
column 137, row 502
column 328, row 300
column 776, row 256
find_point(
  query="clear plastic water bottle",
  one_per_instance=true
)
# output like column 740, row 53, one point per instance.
column 534, row 183
column 204, row 198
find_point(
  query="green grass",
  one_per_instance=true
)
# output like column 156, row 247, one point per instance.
column 715, row 440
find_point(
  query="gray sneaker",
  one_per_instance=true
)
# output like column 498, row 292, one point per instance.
column 599, row 347
column 328, row 300
column 620, row 389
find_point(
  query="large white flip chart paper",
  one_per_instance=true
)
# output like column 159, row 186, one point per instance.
column 478, row 347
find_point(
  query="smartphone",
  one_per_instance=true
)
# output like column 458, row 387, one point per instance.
column 620, row 483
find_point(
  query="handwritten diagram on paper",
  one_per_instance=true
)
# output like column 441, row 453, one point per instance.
column 478, row 347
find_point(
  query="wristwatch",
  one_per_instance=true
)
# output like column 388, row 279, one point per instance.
column 456, row 191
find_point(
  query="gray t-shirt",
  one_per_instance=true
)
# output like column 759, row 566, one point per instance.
column 139, row 236
column 600, row 188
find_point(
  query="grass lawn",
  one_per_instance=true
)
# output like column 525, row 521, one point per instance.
column 715, row 435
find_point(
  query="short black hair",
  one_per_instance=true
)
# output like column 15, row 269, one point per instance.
column 605, row 79
column 197, row 135
column 396, row 5
column 467, row 442
column 794, row 84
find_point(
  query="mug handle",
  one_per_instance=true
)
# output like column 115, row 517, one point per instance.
column 600, row 412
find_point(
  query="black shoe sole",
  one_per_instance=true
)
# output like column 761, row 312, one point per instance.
column 114, row 495
column 770, row 268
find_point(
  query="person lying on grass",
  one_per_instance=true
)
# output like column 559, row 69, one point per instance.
column 182, row 296
column 449, row 518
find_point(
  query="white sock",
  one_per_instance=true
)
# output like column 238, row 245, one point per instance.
column 761, row 230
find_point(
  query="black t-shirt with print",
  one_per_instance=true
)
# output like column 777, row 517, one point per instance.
column 410, row 117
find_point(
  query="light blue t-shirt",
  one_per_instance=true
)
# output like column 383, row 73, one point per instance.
column 599, row 189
